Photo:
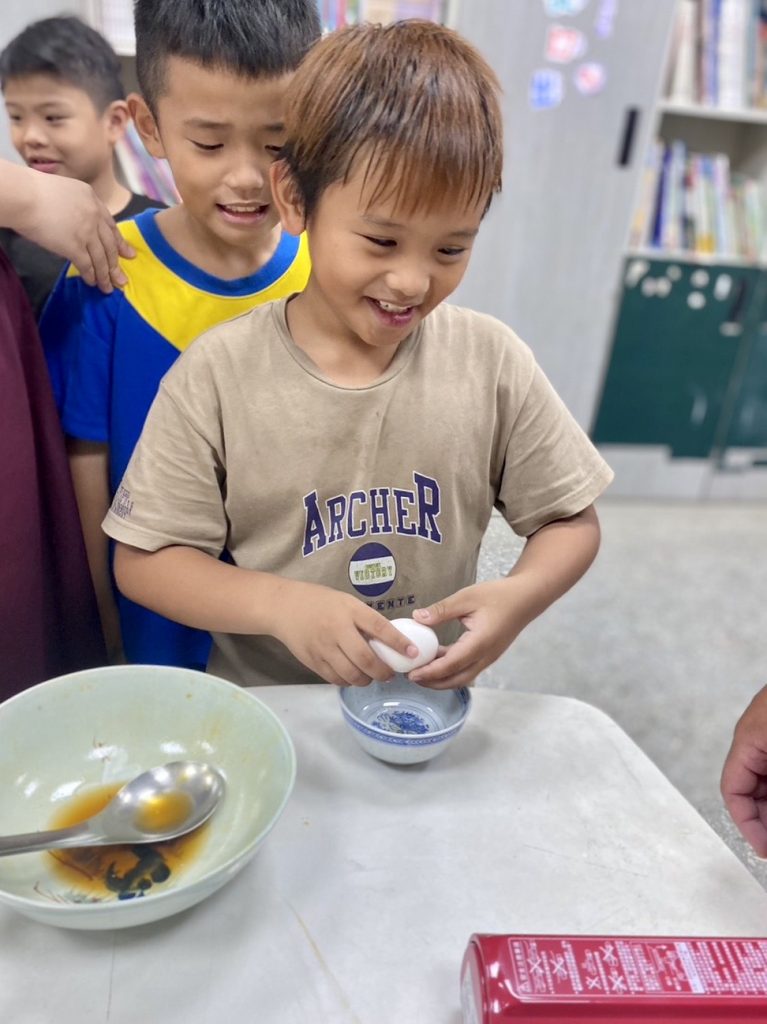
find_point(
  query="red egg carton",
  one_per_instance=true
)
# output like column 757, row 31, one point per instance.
column 613, row 979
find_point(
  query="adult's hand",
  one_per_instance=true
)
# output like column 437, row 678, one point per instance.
column 65, row 216
column 744, row 776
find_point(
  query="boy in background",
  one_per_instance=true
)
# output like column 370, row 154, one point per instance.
column 347, row 446
column 67, row 110
column 213, row 75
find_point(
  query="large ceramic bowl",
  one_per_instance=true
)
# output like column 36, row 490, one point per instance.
column 73, row 736
column 402, row 722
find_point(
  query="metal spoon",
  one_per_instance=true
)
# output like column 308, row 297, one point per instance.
column 159, row 804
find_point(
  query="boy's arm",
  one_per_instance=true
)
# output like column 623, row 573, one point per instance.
column 495, row 613
column 324, row 629
column 65, row 216
column 89, row 465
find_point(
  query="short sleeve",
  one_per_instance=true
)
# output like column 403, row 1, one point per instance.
column 172, row 491
column 551, row 469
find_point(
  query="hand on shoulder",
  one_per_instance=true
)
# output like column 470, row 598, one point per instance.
column 65, row 216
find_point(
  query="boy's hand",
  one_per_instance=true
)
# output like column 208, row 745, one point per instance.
column 492, row 616
column 329, row 631
column 65, row 216
column 495, row 613
column 744, row 777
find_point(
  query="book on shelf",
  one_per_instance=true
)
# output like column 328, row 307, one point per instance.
column 732, row 53
column 672, row 227
column 719, row 54
column 659, row 216
column 722, row 198
column 695, row 203
column 702, row 229
column 759, row 83
column 641, row 228
column 683, row 73
column 749, row 213
column 708, row 50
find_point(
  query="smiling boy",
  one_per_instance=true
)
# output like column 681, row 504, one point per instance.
column 67, row 110
column 212, row 76
column 347, row 446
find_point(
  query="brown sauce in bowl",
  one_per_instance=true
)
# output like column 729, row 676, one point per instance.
column 126, row 871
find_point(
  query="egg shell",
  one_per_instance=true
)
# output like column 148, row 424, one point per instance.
column 424, row 638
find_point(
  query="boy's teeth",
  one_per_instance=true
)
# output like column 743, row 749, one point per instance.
column 389, row 307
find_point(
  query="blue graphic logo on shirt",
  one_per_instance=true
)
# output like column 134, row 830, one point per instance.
column 380, row 510
column 372, row 570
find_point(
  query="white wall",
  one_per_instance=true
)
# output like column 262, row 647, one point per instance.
column 14, row 15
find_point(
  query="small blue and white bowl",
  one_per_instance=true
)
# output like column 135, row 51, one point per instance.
column 402, row 722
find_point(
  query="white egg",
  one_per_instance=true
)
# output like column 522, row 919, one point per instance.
column 425, row 640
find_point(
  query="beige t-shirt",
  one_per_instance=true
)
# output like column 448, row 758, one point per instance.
column 383, row 492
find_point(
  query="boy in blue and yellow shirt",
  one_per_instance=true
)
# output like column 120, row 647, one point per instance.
column 212, row 78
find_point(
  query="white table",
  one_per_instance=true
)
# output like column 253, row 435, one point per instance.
column 543, row 817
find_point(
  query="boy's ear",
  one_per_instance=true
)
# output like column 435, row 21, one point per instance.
column 287, row 198
column 117, row 117
column 146, row 125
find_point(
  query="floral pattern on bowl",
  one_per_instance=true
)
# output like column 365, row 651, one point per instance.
column 400, row 721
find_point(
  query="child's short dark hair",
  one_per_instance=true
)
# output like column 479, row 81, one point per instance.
column 70, row 50
column 252, row 38
column 414, row 99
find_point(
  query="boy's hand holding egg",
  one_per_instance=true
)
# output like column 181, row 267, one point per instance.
column 424, row 638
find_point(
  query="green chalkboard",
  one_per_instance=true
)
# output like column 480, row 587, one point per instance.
column 681, row 330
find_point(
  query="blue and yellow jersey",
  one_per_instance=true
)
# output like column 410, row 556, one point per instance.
column 107, row 354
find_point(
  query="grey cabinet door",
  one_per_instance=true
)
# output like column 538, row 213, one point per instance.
column 739, row 464
column 548, row 258
column 747, row 426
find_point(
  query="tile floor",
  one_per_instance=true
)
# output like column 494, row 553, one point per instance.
column 667, row 633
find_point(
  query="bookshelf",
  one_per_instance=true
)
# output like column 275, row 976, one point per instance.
column 685, row 256
column 683, row 408
column 747, row 115
column 661, row 355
